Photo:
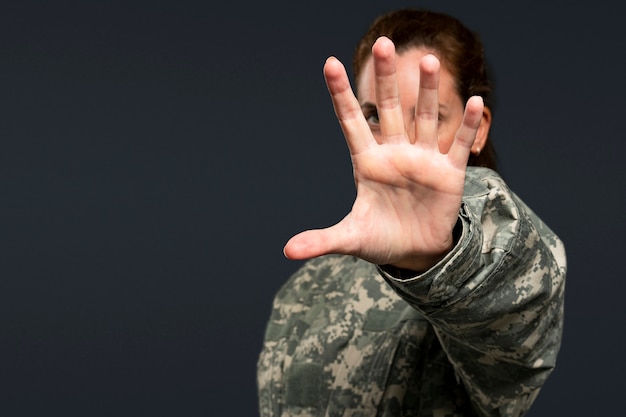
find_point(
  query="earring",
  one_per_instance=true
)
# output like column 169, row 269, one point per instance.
column 477, row 151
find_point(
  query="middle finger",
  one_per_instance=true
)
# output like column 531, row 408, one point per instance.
column 427, row 108
column 387, row 96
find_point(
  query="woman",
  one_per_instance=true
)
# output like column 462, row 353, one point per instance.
column 440, row 293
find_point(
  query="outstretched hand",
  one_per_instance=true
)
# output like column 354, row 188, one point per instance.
column 409, row 180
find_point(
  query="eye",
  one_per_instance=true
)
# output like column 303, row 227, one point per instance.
column 371, row 115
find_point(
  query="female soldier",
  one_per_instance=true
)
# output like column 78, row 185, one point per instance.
column 441, row 292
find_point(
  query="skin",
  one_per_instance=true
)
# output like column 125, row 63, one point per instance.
column 409, row 138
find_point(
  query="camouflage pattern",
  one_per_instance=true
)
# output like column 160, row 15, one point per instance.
column 476, row 335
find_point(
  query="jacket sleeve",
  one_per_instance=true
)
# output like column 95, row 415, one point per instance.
column 496, row 300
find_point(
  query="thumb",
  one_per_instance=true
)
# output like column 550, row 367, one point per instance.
column 317, row 242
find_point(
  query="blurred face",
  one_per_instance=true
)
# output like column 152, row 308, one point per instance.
column 451, row 107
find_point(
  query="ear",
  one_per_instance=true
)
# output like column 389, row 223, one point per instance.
column 483, row 132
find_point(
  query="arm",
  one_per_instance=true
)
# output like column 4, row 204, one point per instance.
column 496, row 299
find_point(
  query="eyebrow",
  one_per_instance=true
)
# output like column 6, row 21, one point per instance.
column 441, row 107
column 368, row 106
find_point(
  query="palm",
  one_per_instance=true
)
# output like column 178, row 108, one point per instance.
column 408, row 190
column 407, row 202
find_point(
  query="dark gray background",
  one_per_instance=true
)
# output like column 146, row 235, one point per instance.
column 155, row 157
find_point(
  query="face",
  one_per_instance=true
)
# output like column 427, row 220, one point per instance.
column 451, row 106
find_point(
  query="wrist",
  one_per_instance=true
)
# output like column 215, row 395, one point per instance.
column 418, row 264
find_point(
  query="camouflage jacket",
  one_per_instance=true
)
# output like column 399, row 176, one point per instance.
column 476, row 335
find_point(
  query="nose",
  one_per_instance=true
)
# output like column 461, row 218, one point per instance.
column 409, row 127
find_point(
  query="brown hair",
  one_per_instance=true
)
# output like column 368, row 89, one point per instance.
column 459, row 48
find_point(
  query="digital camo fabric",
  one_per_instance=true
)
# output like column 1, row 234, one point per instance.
column 477, row 335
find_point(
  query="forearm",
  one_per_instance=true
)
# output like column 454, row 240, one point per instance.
column 504, row 336
column 496, row 302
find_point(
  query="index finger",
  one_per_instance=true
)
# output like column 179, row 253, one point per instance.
column 349, row 114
